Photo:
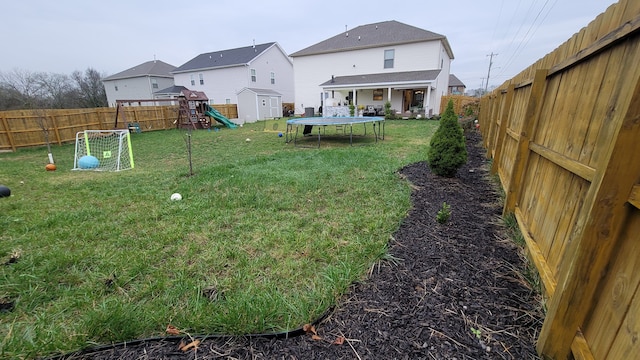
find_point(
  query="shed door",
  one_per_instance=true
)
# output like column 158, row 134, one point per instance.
column 276, row 109
column 263, row 108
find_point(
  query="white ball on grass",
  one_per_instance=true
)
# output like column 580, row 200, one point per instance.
column 176, row 196
column 248, row 140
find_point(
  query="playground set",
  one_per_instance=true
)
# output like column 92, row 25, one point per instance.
column 194, row 112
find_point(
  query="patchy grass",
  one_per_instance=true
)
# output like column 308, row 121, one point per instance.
column 266, row 238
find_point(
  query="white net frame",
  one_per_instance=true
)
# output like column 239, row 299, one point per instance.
column 112, row 149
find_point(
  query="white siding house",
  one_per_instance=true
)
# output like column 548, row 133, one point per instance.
column 138, row 82
column 372, row 64
column 223, row 74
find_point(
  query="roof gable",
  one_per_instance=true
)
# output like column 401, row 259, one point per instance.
column 384, row 33
column 260, row 91
column 224, row 58
column 454, row 81
column 150, row 68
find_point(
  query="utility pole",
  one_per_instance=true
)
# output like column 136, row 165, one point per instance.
column 482, row 84
column 489, row 72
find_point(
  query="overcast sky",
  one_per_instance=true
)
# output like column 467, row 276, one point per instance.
column 113, row 35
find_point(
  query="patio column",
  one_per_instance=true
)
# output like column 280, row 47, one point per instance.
column 355, row 96
column 426, row 106
column 389, row 94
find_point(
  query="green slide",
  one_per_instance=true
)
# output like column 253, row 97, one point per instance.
column 215, row 114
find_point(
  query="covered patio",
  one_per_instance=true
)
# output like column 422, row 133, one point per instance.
column 410, row 93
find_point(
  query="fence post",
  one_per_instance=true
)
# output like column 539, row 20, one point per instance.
column 5, row 123
column 589, row 252
column 504, row 124
column 521, row 158
column 54, row 125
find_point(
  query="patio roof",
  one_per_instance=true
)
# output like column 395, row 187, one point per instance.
column 407, row 79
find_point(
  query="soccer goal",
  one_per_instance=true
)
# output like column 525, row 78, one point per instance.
column 103, row 150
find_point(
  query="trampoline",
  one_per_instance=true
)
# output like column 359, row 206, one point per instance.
column 341, row 123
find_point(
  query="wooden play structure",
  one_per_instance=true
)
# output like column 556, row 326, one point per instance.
column 193, row 111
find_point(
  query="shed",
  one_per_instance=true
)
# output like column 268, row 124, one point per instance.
column 259, row 104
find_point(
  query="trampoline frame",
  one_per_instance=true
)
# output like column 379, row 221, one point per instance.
column 323, row 122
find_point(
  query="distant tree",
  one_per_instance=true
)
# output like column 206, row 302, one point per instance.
column 91, row 91
column 447, row 151
column 21, row 89
column 18, row 90
column 56, row 91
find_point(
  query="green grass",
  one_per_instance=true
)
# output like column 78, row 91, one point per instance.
column 280, row 232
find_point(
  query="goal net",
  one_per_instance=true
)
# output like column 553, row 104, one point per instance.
column 103, row 150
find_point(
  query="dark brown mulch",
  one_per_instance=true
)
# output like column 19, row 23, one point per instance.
column 451, row 291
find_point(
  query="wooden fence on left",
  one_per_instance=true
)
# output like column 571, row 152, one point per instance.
column 26, row 128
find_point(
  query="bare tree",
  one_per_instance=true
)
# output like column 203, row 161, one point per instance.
column 91, row 90
column 21, row 88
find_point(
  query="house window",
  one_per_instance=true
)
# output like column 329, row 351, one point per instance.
column 154, row 83
column 116, row 86
column 227, row 101
column 193, row 81
column 388, row 58
column 273, row 78
column 253, row 75
column 201, row 79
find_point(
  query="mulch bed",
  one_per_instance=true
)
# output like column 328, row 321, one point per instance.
column 448, row 291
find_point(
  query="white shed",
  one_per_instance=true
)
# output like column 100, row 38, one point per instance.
column 258, row 104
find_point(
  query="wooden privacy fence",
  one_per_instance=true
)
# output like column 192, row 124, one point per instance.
column 459, row 103
column 564, row 136
column 25, row 128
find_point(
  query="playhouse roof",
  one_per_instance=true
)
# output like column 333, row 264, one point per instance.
column 194, row 95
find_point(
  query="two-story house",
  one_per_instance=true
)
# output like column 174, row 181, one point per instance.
column 372, row 64
column 139, row 82
column 223, row 75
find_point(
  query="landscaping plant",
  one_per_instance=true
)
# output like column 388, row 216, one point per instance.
column 444, row 213
column 448, row 151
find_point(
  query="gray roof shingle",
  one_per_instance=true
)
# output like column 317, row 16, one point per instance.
column 223, row 58
column 383, row 78
column 175, row 89
column 150, row 68
column 261, row 91
column 454, row 81
column 384, row 33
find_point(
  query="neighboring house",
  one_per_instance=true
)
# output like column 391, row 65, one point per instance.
column 223, row 74
column 456, row 87
column 372, row 64
column 138, row 82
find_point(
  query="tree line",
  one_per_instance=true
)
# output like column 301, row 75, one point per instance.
column 22, row 89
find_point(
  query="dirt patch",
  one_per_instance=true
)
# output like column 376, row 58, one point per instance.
column 447, row 291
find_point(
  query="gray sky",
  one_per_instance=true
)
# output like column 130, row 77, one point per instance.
column 113, row 35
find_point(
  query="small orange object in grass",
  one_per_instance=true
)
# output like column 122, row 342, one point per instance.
column 51, row 167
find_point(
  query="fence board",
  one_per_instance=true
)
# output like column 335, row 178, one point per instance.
column 620, row 286
column 571, row 180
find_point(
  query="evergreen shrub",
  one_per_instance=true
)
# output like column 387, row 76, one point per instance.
column 447, row 151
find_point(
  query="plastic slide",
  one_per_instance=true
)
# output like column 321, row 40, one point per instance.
column 215, row 114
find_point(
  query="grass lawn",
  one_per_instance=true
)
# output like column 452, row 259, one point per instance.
column 266, row 238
